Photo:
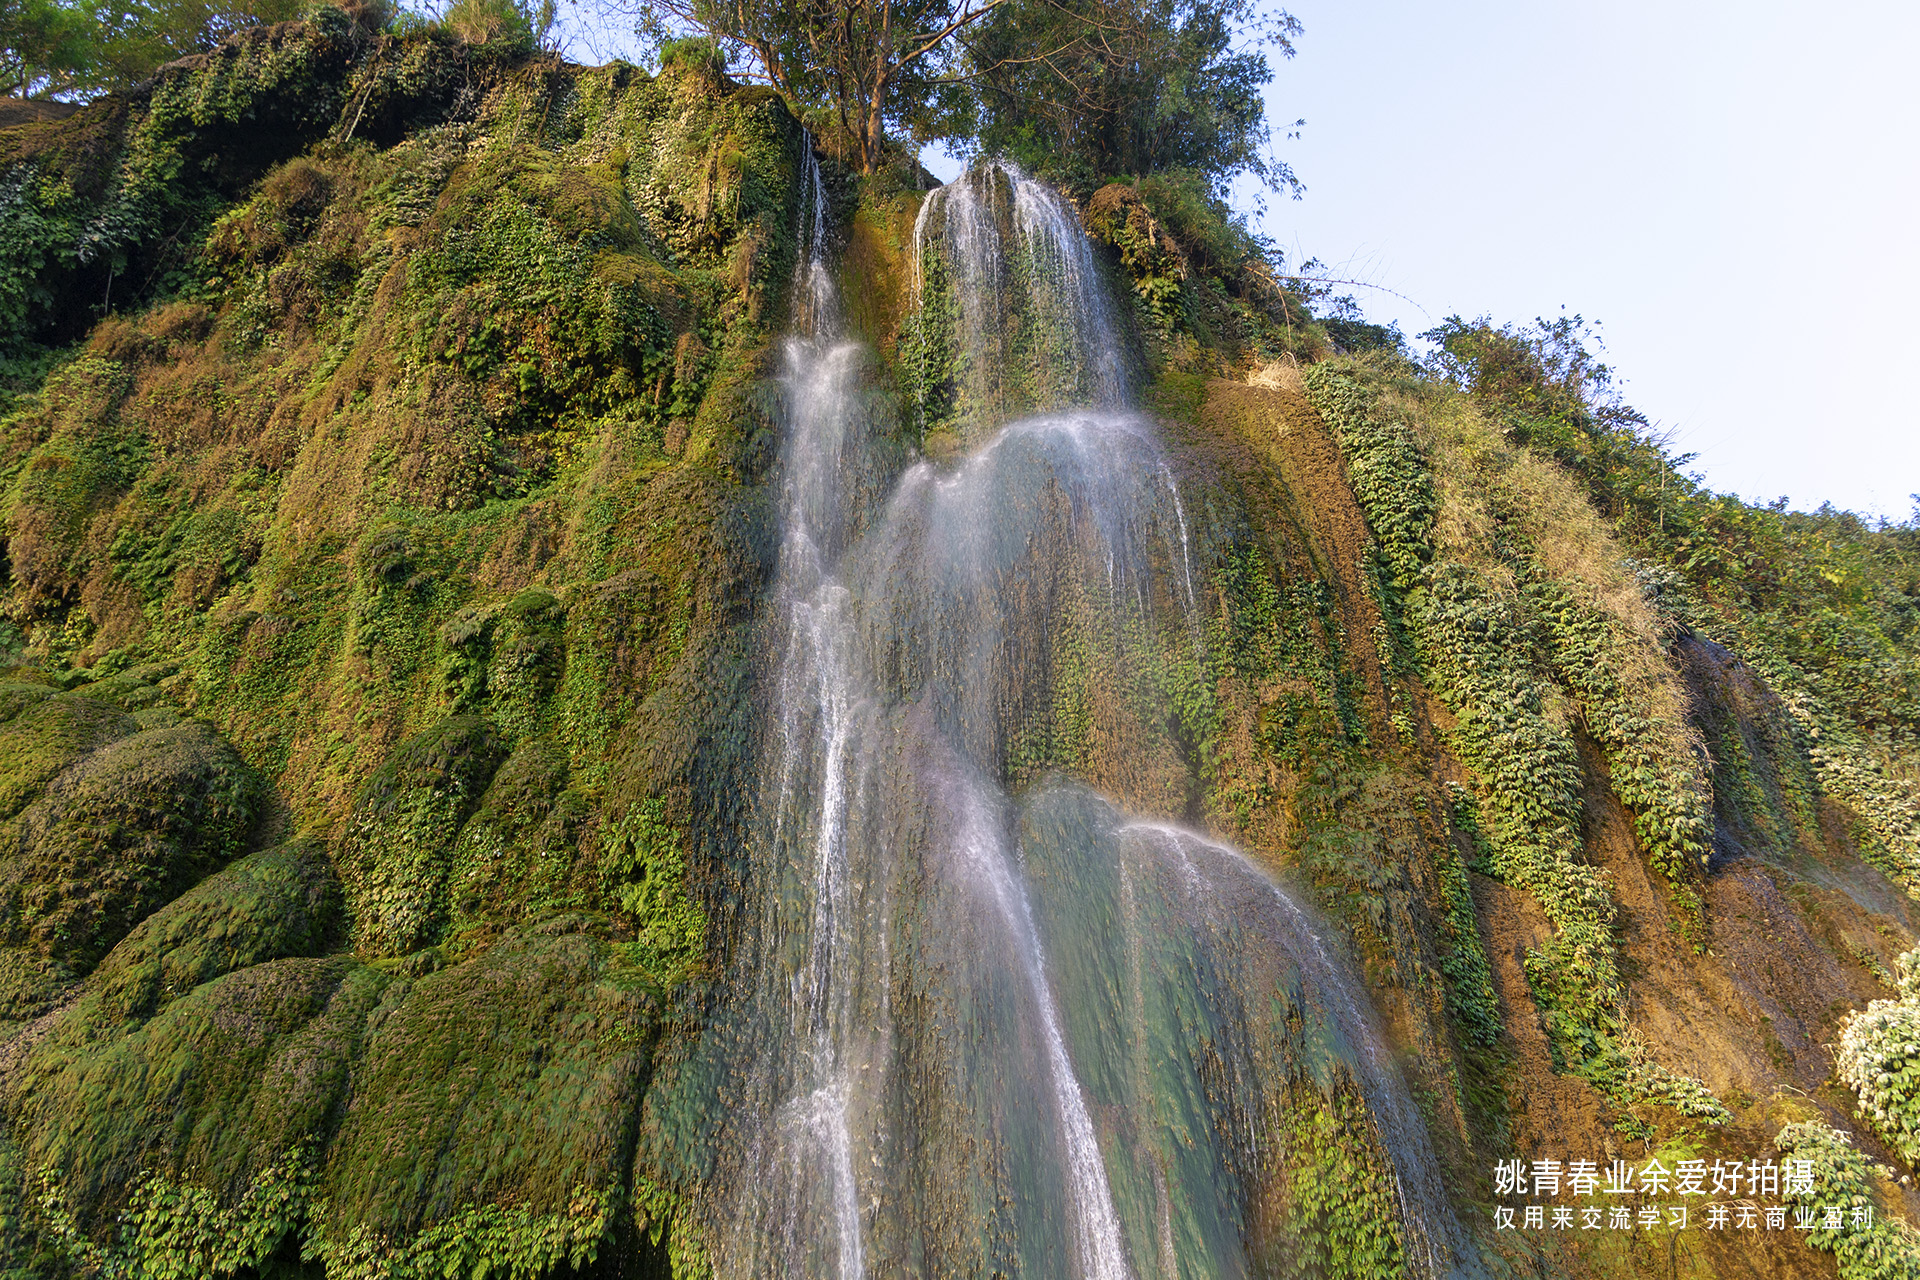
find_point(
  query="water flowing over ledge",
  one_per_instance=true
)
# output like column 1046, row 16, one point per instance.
column 973, row 1032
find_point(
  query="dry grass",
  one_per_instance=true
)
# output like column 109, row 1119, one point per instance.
column 1484, row 484
column 1282, row 375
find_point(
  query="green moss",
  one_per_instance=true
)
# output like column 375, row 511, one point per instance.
column 45, row 735
column 30, row 984
column 119, row 834
column 395, row 854
column 279, row 903
column 544, row 1036
column 216, row 1087
column 519, row 855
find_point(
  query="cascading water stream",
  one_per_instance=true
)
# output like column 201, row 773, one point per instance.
column 966, row 1031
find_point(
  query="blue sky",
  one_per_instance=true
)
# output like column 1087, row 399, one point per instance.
column 1731, row 190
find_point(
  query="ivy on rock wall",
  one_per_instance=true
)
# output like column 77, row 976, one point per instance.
column 1332, row 1208
column 1491, row 636
column 1842, row 1177
column 114, row 194
column 1879, row 1058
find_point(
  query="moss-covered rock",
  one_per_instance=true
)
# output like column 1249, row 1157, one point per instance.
column 219, row 1084
column 512, row 1079
column 120, row 833
column 397, row 850
column 279, row 903
column 46, row 734
column 30, row 984
column 519, row 855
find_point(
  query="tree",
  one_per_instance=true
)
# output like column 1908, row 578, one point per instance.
column 1088, row 90
column 80, row 48
column 45, row 47
column 873, row 63
column 140, row 36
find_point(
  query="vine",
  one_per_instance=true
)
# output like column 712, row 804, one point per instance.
column 1879, row 1059
column 1888, row 1249
column 1479, row 647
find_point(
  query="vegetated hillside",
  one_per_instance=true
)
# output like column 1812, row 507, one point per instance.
column 389, row 461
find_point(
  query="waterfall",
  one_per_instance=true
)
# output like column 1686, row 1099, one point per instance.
column 971, row 1028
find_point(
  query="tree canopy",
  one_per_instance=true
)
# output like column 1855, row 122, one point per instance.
column 871, row 63
column 67, row 48
column 1083, row 90
column 1093, row 89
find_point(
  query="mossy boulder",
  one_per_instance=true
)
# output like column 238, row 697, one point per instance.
column 520, row 853
column 46, row 733
column 396, row 852
column 30, row 985
column 17, row 695
column 279, row 903
column 514, row 1078
column 217, row 1086
column 120, row 832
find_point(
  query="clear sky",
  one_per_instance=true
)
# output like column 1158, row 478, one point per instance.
column 1731, row 190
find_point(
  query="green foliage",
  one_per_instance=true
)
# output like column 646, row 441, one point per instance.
column 479, row 1242
column 644, row 873
column 45, row 47
column 1339, row 1215
column 179, row 1231
column 175, row 1230
column 1887, row 1250
column 505, row 24
column 1485, row 649
column 1096, row 89
column 395, row 854
column 122, row 192
column 1197, row 271
column 1479, row 660
column 1478, row 656
column 1850, row 766
column 456, row 416
column 1672, row 807
column 1273, row 642
column 1471, row 1001
column 1822, row 604
column 850, row 69
column 670, row 1219
column 1390, row 478
column 1879, row 1058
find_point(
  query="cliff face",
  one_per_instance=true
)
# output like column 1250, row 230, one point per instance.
column 414, row 545
column 389, row 587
